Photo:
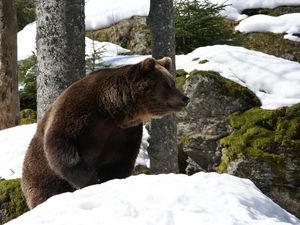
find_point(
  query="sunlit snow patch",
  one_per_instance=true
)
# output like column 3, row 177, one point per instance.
column 204, row 198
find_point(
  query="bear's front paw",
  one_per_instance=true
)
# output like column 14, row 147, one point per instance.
column 80, row 177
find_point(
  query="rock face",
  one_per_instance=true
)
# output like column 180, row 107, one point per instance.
column 222, row 129
column 272, row 44
column 265, row 148
column 204, row 122
column 132, row 34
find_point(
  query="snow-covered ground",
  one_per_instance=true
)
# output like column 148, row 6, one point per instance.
column 14, row 143
column 201, row 199
column 288, row 24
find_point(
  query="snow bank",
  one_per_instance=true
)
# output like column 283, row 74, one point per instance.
column 204, row 198
column 104, row 13
column 234, row 8
column 14, row 143
column 104, row 48
column 288, row 23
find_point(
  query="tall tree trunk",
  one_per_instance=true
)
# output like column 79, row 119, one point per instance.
column 60, row 48
column 9, row 107
column 163, row 143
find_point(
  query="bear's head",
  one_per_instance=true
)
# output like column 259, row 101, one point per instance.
column 155, row 89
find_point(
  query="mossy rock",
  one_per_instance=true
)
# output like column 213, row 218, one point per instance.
column 265, row 147
column 272, row 44
column 12, row 201
column 204, row 121
column 180, row 79
column 27, row 116
column 139, row 169
column 228, row 88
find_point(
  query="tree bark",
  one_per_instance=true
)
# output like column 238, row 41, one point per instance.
column 60, row 48
column 9, row 106
column 163, row 150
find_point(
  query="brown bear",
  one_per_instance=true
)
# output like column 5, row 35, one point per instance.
column 92, row 132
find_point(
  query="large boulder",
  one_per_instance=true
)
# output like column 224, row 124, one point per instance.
column 222, row 129
column 265, row 148
column 204, row 122
column 132, row 34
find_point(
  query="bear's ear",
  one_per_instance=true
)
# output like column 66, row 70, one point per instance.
column 148, row 65
column 165, row 62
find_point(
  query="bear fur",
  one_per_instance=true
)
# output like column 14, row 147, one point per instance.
column 93, row 131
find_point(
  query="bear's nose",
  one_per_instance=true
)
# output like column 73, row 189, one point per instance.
column 186, row 100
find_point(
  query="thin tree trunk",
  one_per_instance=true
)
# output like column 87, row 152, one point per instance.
column 9, row 106
column 60, row 48
column 163, row 150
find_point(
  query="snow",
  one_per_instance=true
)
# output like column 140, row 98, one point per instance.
column 15, row 141
column 27, row 46
column 204, row 198
column 104, row 48
column 274, row 80
column 104, row 13
column 234, row 8
column 13, row 144
column 288, row 23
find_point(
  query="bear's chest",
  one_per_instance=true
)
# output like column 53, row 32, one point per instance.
column 104, row 143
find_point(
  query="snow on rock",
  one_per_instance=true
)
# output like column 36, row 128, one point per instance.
column 274, row 80
column 104, row 48
column 104, row 13
column 14, row 143
column 234, row 8
column 288, row 23
column 204, row 198
column 27, row 44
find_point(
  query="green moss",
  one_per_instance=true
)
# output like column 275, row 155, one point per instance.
column 184, row 140
column 228, row 87
column 27, row 116
column 263, row 135
column 12, row 201
column 180, row 79
column 181, row 73
column 203, row 61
